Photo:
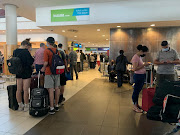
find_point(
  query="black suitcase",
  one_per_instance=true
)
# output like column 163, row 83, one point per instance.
column 13, row 104
column 39, row 101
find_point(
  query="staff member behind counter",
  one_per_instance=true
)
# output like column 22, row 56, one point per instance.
column 166, row 60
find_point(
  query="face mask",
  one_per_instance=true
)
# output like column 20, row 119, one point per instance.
column 47, row 45
column 143, row 55
column 31, row 49
column 165, row 49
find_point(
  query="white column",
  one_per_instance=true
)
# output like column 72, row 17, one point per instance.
column 11, row 32
column 63, row 40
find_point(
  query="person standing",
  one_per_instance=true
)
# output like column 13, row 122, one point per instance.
column 82, row 58
column 52, row 82
column 62, row 76
column 78, row 61
column 92, row 60
column 39, row 58
column 73, row 63
column 66, row 53
column 24, row 80
column 121, row 62
column 112, row 71
column 139, row 75
column 166, row 60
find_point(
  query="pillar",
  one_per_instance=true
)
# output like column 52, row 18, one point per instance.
column 11, row 33
column 63, row 40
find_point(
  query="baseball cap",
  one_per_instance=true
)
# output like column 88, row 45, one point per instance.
column 50, row 40
column 164, row 43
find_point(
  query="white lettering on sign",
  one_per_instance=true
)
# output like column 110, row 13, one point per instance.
column 58, row 15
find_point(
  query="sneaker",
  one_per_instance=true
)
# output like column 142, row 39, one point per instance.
column 52, row 111
column 56, row 109
column 21, row 107
column 26, row 108
column 61, row 101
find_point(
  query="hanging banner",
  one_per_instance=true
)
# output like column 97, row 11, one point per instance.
column 76, row 14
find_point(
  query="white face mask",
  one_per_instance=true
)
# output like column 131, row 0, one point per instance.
column 165, row 49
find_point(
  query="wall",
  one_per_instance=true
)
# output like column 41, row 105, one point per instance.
column 128, row 39
column 117, row 12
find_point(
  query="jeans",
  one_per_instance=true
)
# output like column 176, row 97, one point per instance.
column 73, row 67
column 139, row 80
column 120, row 78
column 38, row 68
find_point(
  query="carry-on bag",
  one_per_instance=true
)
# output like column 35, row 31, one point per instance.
column 13, row 104
column 39, row 101
column 34, row 82
column 148, row 94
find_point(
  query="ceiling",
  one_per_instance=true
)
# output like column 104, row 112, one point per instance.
column 89, row 33
column 86, row 34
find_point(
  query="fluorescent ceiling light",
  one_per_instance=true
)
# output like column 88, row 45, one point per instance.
column 118, row 26
column 152, row 25
column 98, row 29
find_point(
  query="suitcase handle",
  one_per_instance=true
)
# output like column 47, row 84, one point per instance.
column 151, row 68
column 39, row 78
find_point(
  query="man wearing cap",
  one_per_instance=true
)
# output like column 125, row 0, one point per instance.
column 166, row 60
column 39, row 58
column 51, row 81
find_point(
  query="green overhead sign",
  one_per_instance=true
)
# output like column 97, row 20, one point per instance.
column 76, row 14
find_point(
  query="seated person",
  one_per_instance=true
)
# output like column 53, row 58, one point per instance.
column 112, row 71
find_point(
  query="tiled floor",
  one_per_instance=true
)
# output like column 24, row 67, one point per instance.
column 99, row 109
column 17, row 123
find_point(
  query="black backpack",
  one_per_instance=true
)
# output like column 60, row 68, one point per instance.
column 15, row 65
column 56, row 61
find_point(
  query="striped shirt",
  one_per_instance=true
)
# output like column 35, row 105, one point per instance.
column 39, row 56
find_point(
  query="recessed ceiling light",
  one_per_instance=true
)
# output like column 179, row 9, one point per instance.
column 89, row 42
column 98, row 29
column 103, row 35
column 118, row 26
column 30, row 30
column 93, row 44
column 152, row 25
column 3, row 31
column 75, row 36
column 63, row 31
column 107, row 39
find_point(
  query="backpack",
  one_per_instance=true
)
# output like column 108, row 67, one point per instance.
column 57, row 66
column 15, row 65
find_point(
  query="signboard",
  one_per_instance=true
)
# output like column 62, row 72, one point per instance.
column 76, row 14
column 103, row 49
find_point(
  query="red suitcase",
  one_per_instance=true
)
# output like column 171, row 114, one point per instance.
column 148, row 93
column 147, row 97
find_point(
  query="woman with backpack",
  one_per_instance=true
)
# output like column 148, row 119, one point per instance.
column 139, row 75
column 24, row 79
column 121, row 62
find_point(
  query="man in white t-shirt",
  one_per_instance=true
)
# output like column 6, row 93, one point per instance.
column 78, row 61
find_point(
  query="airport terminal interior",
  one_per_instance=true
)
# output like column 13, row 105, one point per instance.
column 121, row 50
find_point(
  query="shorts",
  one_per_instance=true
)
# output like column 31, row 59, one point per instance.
column 63, row 79
column 52, row 81
column 24, row 75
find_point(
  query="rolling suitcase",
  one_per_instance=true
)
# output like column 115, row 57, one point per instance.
column 34, row 82
column 13, row 104
column 148, row 94
column 39, row 101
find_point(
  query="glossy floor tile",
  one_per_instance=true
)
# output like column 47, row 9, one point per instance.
column 18, row 123
column 99, row 108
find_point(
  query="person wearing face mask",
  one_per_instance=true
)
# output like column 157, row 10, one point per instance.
column 121, row 62
column 166, row 60
column 24, row 80
column 139, row 75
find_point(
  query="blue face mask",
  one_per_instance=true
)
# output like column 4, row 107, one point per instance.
column 47, row 45
column 165, row 49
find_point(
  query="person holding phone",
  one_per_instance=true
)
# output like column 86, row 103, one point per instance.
column 139, row 75
column 166, row 60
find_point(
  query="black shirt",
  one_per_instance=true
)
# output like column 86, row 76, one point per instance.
column 26, row 58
